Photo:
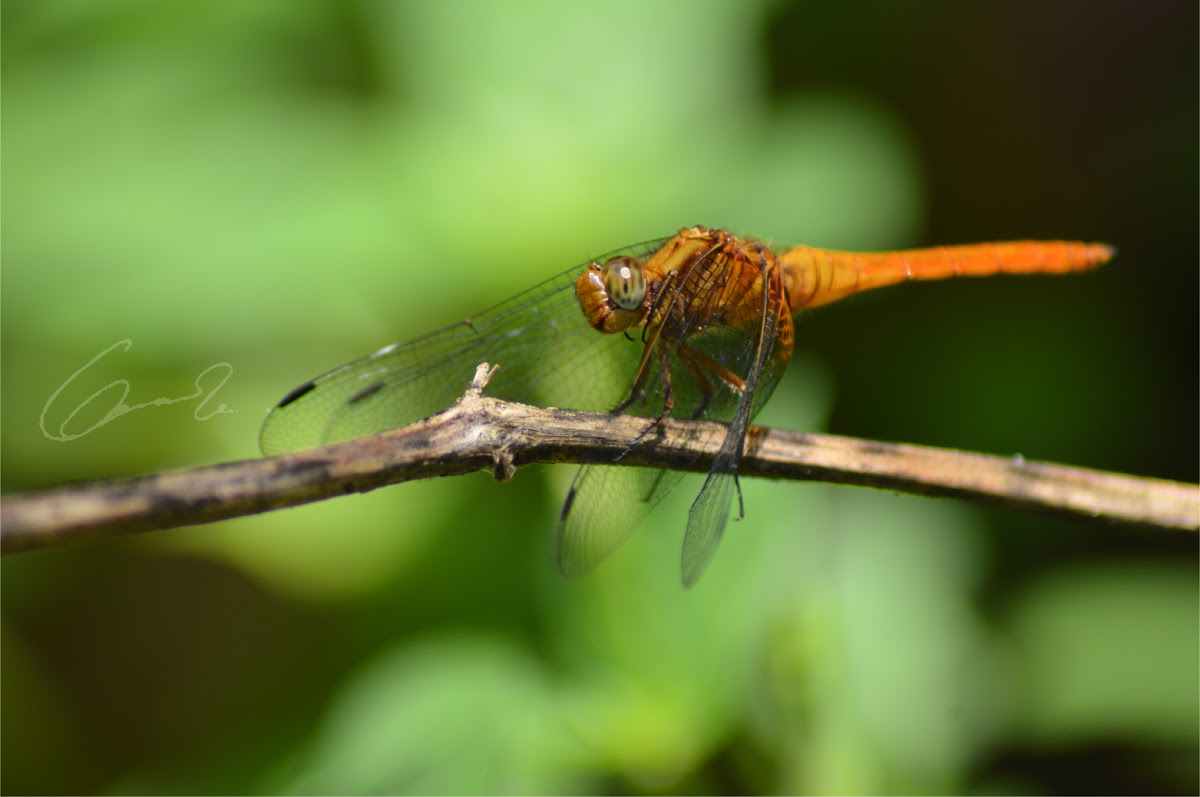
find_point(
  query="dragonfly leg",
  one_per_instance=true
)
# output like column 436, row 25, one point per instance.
column 668, row 405
column 638, row 392
column 696, row 361
column 664, row 364
column 724, row 374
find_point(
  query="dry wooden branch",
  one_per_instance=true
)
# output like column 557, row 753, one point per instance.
column 481, row 432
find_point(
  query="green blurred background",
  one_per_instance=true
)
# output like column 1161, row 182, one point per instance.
column 283, row 186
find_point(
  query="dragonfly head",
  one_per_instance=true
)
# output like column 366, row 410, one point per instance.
column 613, row 296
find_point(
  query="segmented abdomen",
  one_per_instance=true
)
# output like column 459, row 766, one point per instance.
column 819, row 276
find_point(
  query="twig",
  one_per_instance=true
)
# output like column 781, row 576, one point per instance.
column 481, row 432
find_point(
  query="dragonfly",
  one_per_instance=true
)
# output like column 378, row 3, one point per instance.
column 698, row 325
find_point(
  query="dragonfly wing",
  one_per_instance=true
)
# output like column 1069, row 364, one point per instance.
column 546, row 353
column 392, row 387
column 604, row 506
column 706, row 524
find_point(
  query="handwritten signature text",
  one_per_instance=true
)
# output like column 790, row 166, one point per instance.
column 121, row 407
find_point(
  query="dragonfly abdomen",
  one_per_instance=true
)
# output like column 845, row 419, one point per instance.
column 819, row 276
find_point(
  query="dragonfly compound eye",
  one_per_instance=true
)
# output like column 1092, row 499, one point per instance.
column 624, row 282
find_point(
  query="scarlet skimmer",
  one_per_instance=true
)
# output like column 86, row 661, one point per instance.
column 698, row 325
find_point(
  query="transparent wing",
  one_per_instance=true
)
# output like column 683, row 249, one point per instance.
column 547, row 353
column 604, row 506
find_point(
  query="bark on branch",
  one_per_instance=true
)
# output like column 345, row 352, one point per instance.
column 481, row 432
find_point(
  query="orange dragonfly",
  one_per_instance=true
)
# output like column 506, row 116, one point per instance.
column 698, row 325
